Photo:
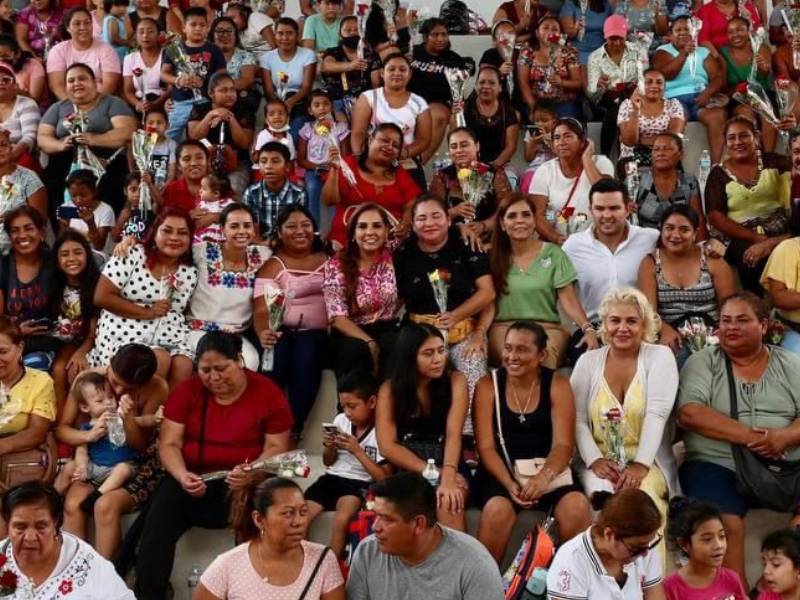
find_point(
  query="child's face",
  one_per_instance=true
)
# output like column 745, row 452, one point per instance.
column 357, row 410
column 206, row 193
column 132, row 193
column 708, row 544
column 82, row 195
column 273, row 167
column 277, row 117
column 96, row 400
column 545, row 120
column 238, row 19
column 156, row 122
column 196, row 29
column 119, row 10
column 329, row 9
column 502, row 31
column 780, row 573
column 72, row 258
column 320, row 107
column 5, row 9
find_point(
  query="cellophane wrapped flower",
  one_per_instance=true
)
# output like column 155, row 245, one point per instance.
column 362, row 12
column 440, row 284
column 143, row 143
column 776, row 332
column 506, row 42
column 83, row 156
column 753, row 95
column 138, row 83
column 457, row 79
column 614, row 436
column 287, row 464
column 556, row 43
column 389, row 7
column 283, row 85
column 277, row 300
column 786, row 94
column 643, row 40
column 566, row 221
column 8, row 578
column 324, row 129
column 695, row 25
column 8, row 196
column 476, row 182
column 697, row 335
column 416, row 17
column 757, row 38
column 173, row 48
column 584, row 5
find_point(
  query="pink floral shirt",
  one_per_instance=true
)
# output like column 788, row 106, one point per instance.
column 376, row 291
column 540, row 73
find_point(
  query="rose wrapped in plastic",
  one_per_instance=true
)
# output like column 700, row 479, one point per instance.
column 786, row 94
column 389, row 8
column 753, row 95
column 614, row 436
column 277, row 300
column 440, row 284
column 287, row 464
column 584, row 4
column 324, row 129
column 143, row 143
column 362, row 12
column 555, row 43
column 457, row 79
column 173, row 49
column 757, row 39
column 283, row 85
column 695, row 25
column 506, row 42
column 697, row 334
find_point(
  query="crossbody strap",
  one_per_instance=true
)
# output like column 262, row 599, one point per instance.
column 500, row 421
column 314, row 573
column 732, row 390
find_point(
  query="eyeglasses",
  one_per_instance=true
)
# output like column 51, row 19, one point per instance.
column 642, row 549
column 224, row 32
column 6, row 80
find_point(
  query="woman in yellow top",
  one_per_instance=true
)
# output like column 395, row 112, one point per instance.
column 747, row 197
column 624, row 393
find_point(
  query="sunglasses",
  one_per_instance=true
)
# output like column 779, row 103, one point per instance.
column 644, row 548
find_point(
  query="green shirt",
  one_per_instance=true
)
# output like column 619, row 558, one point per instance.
column 324, row 35
column 774, row 401
column 532, row 294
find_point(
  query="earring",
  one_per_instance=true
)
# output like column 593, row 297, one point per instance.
column 262, row 532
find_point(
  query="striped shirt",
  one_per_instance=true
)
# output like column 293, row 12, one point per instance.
column 23, row 121
column 676, row 304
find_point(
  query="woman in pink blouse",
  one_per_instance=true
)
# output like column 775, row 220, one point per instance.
column 38, row 26
column 274, row 562
column 361, row 293
column 715, row 16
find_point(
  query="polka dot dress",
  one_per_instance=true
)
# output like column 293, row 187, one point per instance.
column 137, row 284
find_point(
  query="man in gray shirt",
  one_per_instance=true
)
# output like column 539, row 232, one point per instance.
column 411, row 557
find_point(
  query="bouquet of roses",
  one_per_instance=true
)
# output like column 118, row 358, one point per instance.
column 457, row 79
column 475, row 181
column 173, row 49
column 283, row 85
column 753, row 95
column 324, row 129
column 143, row 143
column 614, row 436
column 440, row 284
column 277, row 300
column 697, row 334
column 83, row 156
column 388, row 7
column 287, row 464
column 695, row 25
column 786, row 94
column 776, row 331
column 8, row 578
column 506, row 42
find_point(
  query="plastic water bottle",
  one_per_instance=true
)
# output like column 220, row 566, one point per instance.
column 193, row 579
column 116, row 430
column 431, row 473
column 537, row 584
column 703, row 169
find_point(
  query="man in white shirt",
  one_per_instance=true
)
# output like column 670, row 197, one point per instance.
column 608, row 254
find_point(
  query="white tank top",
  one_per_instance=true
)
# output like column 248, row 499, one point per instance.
column 404, row 117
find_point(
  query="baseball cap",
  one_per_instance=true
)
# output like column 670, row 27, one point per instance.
column 615, row 26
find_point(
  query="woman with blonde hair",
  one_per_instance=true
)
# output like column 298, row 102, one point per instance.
column 624, row 393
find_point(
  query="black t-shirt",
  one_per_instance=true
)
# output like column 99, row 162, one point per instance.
column 206, row 60
column 491, row 131
column 427, row 74
column 412, row 267
column 357, row 81
column 161, row 20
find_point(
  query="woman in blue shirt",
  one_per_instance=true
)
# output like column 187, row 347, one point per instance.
column 572, row 21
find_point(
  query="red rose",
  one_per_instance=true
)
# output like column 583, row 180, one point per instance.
column 554, row 38
column 444, row 274
column 3, row 559
column 162, row 39
column 620, row 87
column 8, row 579
column 614, row 415
column 138, row 72
column 567, row 211
column 361, row 9
column 65, row 587
column 782, row 83
column 742, row 88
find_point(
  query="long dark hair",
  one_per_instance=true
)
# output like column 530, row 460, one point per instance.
column 9, row 41
column 88, row 280
column 149, row 242
column 500, row 252
column 598, row 6
column 405, row 375
column 258, row 496
column 348, row 256
column 375, row 27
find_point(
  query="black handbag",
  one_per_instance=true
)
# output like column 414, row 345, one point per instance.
column 773, row 484
column 425, row 446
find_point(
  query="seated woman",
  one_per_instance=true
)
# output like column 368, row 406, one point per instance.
column 384, row 38
column 531, row 277
column 642, row 118
column 226, row 275
column 224, row 417
column 464, row 153
column 524, row 16
column 27, row 188
column 227, row 124
column 144, row 91
column 638, row 380
column 541, row 429
column 19, row 118
column 506, row 69
column 645, row 16
column 738, row 57
column 296, row 266
column 614, row 556
column 28, row 70
column 38, row 26
column 585, row 27
column 665, row 184
column 241, row 64
column 428, row 80
column 36, row 505
column 746, row 198
column 693, row 77
column 540, row 79
column 420, row 416
column 395, row 103
column 297, row 567
column 361, row 295
column 681, row 281
column 560, row 187
column 716, row 16
column 766, row 380
column 144, row 295
column 435, row 248
column 379, row 179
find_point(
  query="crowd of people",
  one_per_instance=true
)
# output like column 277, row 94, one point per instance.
column 205, row 205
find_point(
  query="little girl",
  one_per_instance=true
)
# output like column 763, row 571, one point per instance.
column 276, row 129
column 215, row 194
column 538, row 148
column 131, row 222
column 696, row 530
column 780, row 555
column 116, row 31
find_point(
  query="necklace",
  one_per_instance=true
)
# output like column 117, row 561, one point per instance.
column 520, row 409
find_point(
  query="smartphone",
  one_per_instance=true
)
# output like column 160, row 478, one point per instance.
column 67, row 212
column 330, row 429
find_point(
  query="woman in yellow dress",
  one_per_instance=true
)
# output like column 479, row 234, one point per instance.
column 624, row 394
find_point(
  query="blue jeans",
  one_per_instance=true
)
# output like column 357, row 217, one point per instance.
column 569, row 109
column 313, row 179
column 179, row 117
column 689, row 103
column 298, row 369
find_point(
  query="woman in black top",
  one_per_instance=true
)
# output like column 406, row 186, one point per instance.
column 420, row 415
column 435, row 249
column 537, row 413
column 378, row 36
column 428, row 78
column 150, row 9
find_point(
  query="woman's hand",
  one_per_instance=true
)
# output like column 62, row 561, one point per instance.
column 762, row 62
column 239, row 477
column 124, row 247
column 269, row 338
column 606, row 469
column 86, row 214
column 771, row 443
column 535, row 487
column 476, row 345
column 470, row 236
column 358, row 64
column 507, row 68
column 192, row 484
column 669, row 337
column 555, row 80
column 631, row 477
column 465, row 210
column 450, row 496
column 65, row 143
column 636, row 101
column 375, row 355
column 76, row 364
column 84, row 138
column 126, row 406
column 515, row 491
column 446, row 320
column 589, row 340
column 757, row 252
column 458, row 107
column 787, row 122
column 27, row 328
column 160, row 308
column 588, row 152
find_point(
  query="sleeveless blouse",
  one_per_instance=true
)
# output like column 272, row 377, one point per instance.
column 675, row 304
column 306, row 309
column 533, row 437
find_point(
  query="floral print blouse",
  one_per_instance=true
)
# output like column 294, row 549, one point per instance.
column 241, row 58
column 376, row 291
column 540, row 73
column 673, row 109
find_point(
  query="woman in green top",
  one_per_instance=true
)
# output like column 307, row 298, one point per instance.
column 532, row 276
column 737, row 58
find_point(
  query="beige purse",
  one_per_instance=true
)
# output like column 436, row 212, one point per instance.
column 526, row 468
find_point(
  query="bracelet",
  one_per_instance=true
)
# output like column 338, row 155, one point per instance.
column 451, row 465
column 586, row 327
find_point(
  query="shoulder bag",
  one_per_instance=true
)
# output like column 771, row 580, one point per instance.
column 766, row 483
column 36, row 464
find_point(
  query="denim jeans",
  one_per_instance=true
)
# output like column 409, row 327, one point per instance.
column 313, row 178
column 179, row 118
